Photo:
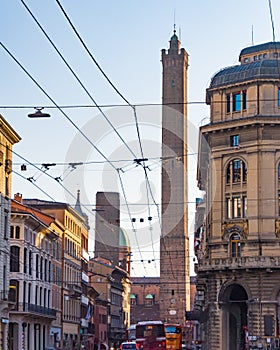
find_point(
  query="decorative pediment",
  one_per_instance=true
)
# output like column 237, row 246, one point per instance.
column 240, row 228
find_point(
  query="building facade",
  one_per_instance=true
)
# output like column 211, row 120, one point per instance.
column 174, row 244
column 239, row 170
column 8, row 137
column 74, row 300
column 113, row 285
column 35, row 251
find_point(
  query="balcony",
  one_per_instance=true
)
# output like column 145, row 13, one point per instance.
column 34, row 309
column 84, row 323
column 84, row 300
column 85, row 255
column 85, row 277
column 239, row 263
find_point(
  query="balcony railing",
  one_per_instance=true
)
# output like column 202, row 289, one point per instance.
column 35, row 309
column 238, row 263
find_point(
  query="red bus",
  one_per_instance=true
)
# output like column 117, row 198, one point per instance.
column 150, row 335
column 173, row 333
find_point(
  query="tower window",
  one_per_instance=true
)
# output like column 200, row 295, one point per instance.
column 172, row 83
column 279, row 97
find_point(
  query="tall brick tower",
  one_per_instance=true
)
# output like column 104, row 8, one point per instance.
column 174, row 242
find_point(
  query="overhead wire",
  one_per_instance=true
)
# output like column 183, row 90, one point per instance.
column 90, row 54
column 117, row 91
column 78, row 79
column 34, row 184
column 134, row 105
column 72, row 71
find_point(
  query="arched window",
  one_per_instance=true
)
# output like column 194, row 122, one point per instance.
column 14, row 259
column 133, row 299
column 13, row 291
column 25, row 260
column 236, row 171
column 149, row 300
column 30, row 263
column 17, row 235
column 37, row 266
column 235, row 245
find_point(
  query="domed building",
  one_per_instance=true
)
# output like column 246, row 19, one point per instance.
column 238, row 269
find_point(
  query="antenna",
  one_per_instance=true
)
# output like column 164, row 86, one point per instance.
column 271, row 19
column 174, row 21
column 252, row 34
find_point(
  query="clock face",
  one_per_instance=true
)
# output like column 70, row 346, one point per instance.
column 172, row 301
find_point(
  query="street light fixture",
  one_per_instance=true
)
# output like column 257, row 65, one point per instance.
column 39, row 113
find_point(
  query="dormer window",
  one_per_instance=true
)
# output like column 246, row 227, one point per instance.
column 236, row 101
column 149, row 300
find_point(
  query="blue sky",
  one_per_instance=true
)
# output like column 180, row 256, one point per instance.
column 126, row 38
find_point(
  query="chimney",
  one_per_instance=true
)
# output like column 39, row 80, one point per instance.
column 18, row 197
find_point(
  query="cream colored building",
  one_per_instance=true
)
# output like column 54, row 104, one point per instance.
column 238, row 288
column 8, row 137
column 35, row 279
column 74, row 277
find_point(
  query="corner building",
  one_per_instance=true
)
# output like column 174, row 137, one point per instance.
column 174, row 242
column 238, row 289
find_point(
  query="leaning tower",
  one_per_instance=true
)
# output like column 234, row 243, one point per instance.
column 174, row 244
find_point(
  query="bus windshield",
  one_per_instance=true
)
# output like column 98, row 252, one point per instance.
column 172, row 329
column 144, row 331
column 173, row 334
column 150, row 335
